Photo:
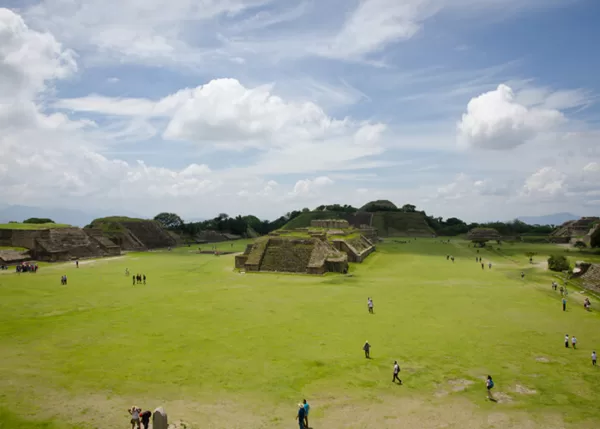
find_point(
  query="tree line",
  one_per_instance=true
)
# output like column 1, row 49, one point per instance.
column 242, row 225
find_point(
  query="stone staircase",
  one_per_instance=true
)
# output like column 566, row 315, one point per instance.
column 287, row 255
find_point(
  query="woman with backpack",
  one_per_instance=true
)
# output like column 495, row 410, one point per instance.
column 489, row 384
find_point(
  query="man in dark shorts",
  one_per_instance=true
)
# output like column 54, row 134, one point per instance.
column 145, row 418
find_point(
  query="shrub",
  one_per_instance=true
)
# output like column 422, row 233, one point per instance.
column 38, row 220
column 558, row 263
column 580, row 245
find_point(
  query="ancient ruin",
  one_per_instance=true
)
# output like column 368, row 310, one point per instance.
column 330, row 223
column 574, row 229
column 59, row 244
column 134, row 234
column 293, row 255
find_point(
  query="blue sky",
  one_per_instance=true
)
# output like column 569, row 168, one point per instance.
column 481, row 109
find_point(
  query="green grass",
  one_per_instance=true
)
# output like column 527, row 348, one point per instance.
column 33, row 226
column 223, row 349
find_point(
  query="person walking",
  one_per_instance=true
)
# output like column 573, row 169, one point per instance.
column 574, row 342
column 567, row 341
column 77, row 264
column 145, row 418
column 300, row 416
column 135, row 416
column 370, row 305
column 522, row 275
column 396, row 372
column 367, row 349
column 594, row 358
column 133, row 277
column 489, row 384
column 144, row 277
column 564, row 303
column 490, row 265
column 306, row 410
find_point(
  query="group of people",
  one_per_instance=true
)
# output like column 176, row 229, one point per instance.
column 302, row 415
column 139, row 417
column 450, row 257
column 573, row 342
column 139, row 278
column 26, row 267
column 63, row 280
column 479, row 259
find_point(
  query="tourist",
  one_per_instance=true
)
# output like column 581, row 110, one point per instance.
column 574, row 342
column 562, row 291
column 489, row 384
column 77, row 264
column 447, row 257
column 370, row 305
column 306, row 410
column 145, row 418
column 594, row 358
column 396, row 372
column 564, row 303
column 367, row 348
column 300, row 416
column 65, row 277
column 482, row 266
column 490, row 265
column 452, row 257
column 567, row 340
column 135, row 416
column 127, row 272
column 133, row 278
column 144, row 277
column 522, row 275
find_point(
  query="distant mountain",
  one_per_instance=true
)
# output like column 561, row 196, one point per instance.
column 552, row 219
column 59, row 215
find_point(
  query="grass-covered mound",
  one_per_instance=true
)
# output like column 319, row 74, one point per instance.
column 32, row 226
column 399, row 224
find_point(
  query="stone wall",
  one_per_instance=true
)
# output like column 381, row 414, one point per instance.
column 329, row 223
column 357, row 249
column 591, row 279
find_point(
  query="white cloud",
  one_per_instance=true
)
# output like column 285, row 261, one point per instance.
column 308, row 188
column 377, row 23
column 464, row 186
column 29, row 59
column 547, row 182
column 592, row 167
column 495, row 120
column 135, row 30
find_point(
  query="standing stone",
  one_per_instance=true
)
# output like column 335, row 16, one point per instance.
column 159, row 419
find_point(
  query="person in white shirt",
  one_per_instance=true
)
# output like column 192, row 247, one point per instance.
column 567, row 341
column 574, row 341
column 396, row 372
column 135, row 416
column 370, row 305
column 594, row 358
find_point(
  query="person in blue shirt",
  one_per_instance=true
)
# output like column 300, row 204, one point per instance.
column 306, row 409
column 300, row 416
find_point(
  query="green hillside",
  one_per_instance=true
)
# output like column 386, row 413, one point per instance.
column 398, row 224
column 112, row 223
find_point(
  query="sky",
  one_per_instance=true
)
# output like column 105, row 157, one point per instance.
column 479, row 109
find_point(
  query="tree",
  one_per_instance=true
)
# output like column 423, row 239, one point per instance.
column 580, row 245
column 558, row 263
column 38, row 220
column 408, row 208
column 169, row 220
